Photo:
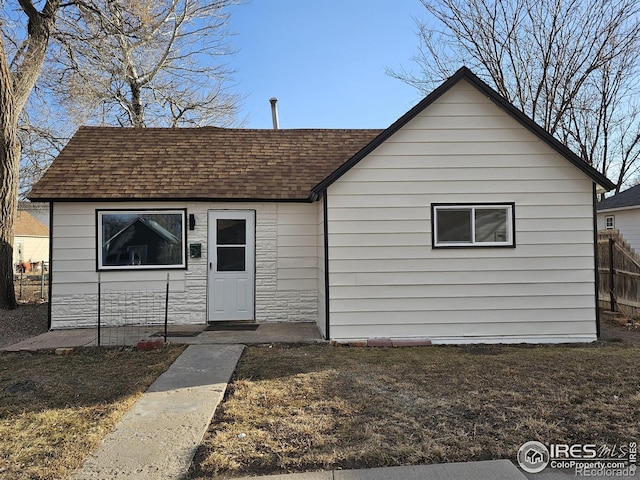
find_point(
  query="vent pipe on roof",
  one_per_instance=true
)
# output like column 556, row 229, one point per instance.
column 274, row 112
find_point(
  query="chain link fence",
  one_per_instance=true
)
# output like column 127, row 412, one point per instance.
column 32, row 286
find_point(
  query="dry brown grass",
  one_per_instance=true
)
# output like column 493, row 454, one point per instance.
column 306, row 408
column 31, row 288
column 55, row 409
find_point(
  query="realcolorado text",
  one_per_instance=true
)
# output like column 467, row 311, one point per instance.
column 619, row 469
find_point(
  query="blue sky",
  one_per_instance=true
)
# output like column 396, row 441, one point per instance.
column 324, row 60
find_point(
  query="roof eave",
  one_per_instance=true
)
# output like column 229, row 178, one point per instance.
column 617, row 209
column 48, row 199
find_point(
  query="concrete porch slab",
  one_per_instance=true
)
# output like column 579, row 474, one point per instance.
column 80, row 337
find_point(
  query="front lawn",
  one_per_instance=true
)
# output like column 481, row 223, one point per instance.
column 55, row 409
column 303, row 408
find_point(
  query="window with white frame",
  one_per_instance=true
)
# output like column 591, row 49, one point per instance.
column 610, row 222
column 141, row 239
column 473, row 225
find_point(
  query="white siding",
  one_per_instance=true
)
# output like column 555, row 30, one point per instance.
column 286, row 264
column 296, row 295
column 297, row 246
column 627, row 221
column 386, row 280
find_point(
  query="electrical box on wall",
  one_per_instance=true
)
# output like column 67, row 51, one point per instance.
column 195, row 250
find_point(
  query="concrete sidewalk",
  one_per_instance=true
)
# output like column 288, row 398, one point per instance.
column 490, row 469
column 484, row 470
column 158, row 437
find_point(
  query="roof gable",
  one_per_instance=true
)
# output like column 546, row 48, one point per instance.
column 465, row 74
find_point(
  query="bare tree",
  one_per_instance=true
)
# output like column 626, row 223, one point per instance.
column 42, row 136
column 20, row 65
column 123, row 62
column 571, row 65
column 604, row 125
column 144, row 63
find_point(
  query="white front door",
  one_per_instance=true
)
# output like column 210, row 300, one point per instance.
column 231, row 278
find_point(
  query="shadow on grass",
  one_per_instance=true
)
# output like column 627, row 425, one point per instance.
column 31, row 382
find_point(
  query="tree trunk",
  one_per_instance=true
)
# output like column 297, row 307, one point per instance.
column 9, row 162
column 137, row 110
column 15, row 87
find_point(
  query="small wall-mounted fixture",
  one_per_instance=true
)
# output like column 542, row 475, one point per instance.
column 195, row 250
column 192, row 221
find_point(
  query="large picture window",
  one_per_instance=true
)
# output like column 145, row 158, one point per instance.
column 141, row 239
column 465, row 225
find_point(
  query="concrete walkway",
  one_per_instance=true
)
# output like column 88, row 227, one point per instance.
column 158, row 437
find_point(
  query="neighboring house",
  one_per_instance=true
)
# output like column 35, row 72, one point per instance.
column 622, row 212
column 30, row 243
column 38, row 210
column 462, row 222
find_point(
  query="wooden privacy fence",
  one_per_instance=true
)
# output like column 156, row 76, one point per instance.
column 619, row 274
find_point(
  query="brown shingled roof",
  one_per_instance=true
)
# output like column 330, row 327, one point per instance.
column 27, row 226
column 196, row 163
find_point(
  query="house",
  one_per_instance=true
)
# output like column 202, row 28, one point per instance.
column 39, row 211
column 462, row 222
column 622, row 212
column 30, row 243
